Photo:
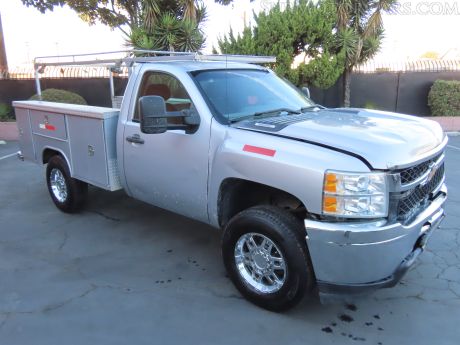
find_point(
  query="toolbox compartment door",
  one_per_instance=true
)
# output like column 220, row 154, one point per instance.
column 48, row 124
column 25, row 134
column 87, row 144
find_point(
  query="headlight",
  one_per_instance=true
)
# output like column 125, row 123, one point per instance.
column 355, row 195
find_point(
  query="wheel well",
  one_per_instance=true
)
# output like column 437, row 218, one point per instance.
column 48, row 153
column 236, row 195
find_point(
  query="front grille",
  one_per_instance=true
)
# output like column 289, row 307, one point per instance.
column 411, row 174
column 417, row 199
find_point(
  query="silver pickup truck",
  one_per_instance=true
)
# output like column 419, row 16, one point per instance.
column 309, row 199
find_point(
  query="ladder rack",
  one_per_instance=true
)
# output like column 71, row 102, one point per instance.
column 131, row 58
column 113, row 61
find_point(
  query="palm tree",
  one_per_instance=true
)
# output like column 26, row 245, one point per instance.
column 359, row 33
column 169, row 25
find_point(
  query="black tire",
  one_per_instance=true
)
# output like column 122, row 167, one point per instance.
column 287, row 233
column 77, row 191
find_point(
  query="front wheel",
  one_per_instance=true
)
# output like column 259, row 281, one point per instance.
column 266, row 257
column 67, row 193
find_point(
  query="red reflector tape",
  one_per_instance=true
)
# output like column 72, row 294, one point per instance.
column 259, row 150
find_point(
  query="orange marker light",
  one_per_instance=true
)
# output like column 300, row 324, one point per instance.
column 330, row 183
column 330, row 204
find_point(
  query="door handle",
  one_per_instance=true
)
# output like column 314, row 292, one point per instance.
column 135, row 139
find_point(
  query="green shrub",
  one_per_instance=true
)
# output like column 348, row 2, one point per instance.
column 60, row 96
column 6, row 112
column 444, row 98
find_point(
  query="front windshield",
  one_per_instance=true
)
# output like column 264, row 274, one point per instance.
column 239, row 94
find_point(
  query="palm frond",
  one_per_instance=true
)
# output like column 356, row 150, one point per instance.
column 371, row 45
column 139, row 39
column 151, row 11
column 166, row 31
column 189, row 37
column 201, row 13
column 189, row 9
column 388, row 6
column 374, row 24
column 348, row 43
column 343, row 13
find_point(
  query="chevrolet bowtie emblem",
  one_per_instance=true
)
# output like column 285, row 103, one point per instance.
column 432, row 169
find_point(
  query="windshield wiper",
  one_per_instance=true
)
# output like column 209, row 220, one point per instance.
column 267, row 112
column 276, row 111
column 311, row 107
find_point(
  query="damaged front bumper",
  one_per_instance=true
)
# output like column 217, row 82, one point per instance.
column 356, row 257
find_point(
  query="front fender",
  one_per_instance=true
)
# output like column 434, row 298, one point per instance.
column 289, row 165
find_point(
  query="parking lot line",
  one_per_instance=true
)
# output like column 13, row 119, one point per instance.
column 7, row 156
column 453, row 147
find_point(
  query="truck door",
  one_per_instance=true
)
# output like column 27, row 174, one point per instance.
column 169, row 170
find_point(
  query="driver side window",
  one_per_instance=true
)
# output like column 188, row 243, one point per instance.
column 167, row 87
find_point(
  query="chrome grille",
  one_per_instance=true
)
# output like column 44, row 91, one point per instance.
column 411, row 174
column 417, row 199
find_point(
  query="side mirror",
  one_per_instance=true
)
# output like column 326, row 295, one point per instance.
column 306, row 91
column 153, row 115
column 191, row 119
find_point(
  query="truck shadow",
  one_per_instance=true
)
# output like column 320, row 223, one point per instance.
column 189, row 247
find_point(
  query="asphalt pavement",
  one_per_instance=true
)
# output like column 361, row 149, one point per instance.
column 123, row 272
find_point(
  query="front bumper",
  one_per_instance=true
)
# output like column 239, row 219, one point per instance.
column 355, row 257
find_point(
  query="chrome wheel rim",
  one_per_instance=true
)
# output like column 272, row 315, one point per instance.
column 260, row 262
column 58, row 185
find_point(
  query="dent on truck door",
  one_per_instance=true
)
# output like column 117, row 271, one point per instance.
column 169, row 170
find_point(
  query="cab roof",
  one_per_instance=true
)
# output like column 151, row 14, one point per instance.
column 190, row 65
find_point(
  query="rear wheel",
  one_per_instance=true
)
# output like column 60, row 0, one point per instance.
column 67, row 193
column 266, row 256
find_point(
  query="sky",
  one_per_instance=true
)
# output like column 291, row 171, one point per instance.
column 420, row 26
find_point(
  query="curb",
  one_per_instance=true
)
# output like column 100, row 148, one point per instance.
column 9, row 131
column 448, row 123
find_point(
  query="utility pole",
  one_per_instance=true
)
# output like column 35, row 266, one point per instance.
column 3, row 61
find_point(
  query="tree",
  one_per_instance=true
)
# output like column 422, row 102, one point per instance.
column 147, row 24
column 359, row 33
column 113, row 13
column 3, row 60
column 303, row 28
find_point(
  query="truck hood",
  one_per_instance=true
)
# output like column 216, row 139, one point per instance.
column 384, row 140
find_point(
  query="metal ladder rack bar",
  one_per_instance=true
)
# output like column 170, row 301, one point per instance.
column 213, row 57
column 237, row 58
column 161, row 56
column 147, row 59
column 74, row 57
column 165, row 58
column 101, row 63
